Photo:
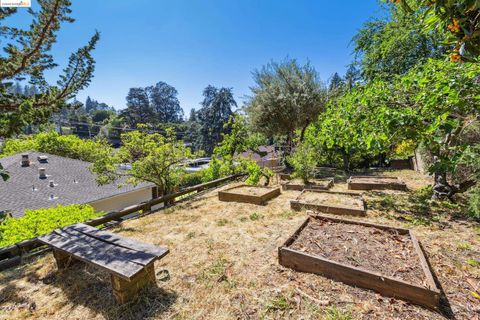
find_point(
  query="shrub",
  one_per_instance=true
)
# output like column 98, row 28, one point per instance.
column 255, row 173
column 304, row 162
column 42, row 221
column 192, row 179
column 69, row 146
column 474, row 205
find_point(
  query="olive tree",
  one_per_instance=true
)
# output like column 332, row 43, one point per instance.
column 286, row 97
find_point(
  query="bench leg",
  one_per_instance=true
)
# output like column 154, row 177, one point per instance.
column 63, row 260
column 124, row 290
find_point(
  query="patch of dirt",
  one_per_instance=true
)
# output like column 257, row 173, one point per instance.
column 377, row 180
column 385, row 252
column 332, row 199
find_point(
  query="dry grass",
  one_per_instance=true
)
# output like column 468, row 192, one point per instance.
column 223, row 265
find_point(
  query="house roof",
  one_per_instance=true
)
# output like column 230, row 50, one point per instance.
column 73, row 184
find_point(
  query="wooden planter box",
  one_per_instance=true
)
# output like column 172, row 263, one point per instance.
column 249, row 194
column 376, row 183
column 358, row 209
column 428, row 296
column 316, row 184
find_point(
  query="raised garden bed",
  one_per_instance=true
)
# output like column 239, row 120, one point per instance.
column 348, row 203
column 314, row 184
column 376, row 183
column 381, row 258
column 249, row 194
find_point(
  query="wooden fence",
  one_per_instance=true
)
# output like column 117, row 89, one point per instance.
column 14, row 254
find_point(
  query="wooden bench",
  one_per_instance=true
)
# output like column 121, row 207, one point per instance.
column 129, row 262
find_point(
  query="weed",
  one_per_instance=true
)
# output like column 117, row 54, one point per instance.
column 465, row 246
column 288, row 214
column 333, row 313
column 191, row 235
column 222, row 222
column 255, row 216
column 473, row 262
column 243, row 219
column 278, row 303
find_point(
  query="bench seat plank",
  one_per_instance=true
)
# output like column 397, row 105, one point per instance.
column 138, row 257
column 119, row 240
column 93, row 254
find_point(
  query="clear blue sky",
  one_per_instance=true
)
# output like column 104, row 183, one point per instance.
column 193, row 43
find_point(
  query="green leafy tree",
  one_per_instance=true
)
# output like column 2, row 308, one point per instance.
column 459, row 19
column 304, row 162
column 164, row 101
column 286, row 97
column 26, row 56
column 139, row 110
column 51, row 142
column 144, row 156
column 393, row 45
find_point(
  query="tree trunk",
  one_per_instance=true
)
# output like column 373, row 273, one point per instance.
column 346, row 161
column 288, row 150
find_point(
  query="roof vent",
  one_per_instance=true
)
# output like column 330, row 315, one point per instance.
column 42, row 159
column 25, row 160
column 52, row 197
column 42, row 173
column 52, row 184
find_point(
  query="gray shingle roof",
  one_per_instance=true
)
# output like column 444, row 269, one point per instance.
column 74, row 183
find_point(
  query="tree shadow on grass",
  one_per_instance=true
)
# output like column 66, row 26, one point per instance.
column 85, row 285
column 415, row 207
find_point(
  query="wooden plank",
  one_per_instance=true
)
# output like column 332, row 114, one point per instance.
column 138, row 257
column 396, row 288
column 115, row 239
column 91, row 254
column 423, row 262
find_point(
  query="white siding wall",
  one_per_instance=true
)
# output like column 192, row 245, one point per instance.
column 122, row 201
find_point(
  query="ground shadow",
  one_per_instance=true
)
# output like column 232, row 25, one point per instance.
column 87, row 286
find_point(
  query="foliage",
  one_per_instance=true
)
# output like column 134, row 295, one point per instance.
column 304, row 162
column 26, row 56
column 286, row 97
column 37, row 222
column 215, row 112
column 255, row 173
column 393, row 45
column 192, row 179
column 51, row 142
column 144, row 156
column 460, row 19
column 405, row 149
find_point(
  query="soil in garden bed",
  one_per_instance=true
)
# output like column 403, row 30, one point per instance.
column 385, row 180
column 250, row 190
column 312, row 182
column 381, row 251
column 332, row 199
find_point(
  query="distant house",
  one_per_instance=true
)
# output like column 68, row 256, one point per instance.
column 265, row 156
column 39, row 180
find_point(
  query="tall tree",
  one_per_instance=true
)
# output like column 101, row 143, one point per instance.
column 336, row 84
column 393, row 45
column 139, row 110
column 164, row 101
column 215, row 112
column 286, row 97
column 352, row 76
column 26, row 56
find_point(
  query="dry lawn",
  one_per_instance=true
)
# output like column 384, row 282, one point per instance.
column 223, row 265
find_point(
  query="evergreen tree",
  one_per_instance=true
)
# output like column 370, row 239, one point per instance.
column 164, row 101
column 193, row 115
column 27, row 56
column 139, row 110
column 215, row 112
column 352, row 76
column 336, row 84
column 89, row 105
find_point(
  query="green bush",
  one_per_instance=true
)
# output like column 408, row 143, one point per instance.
column 255, row 173
column 42, row 221
column 51, row 142
column 474, row 205
column 304, row 162
column 192, row 179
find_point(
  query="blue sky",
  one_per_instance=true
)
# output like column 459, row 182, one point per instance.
column 193, row 43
